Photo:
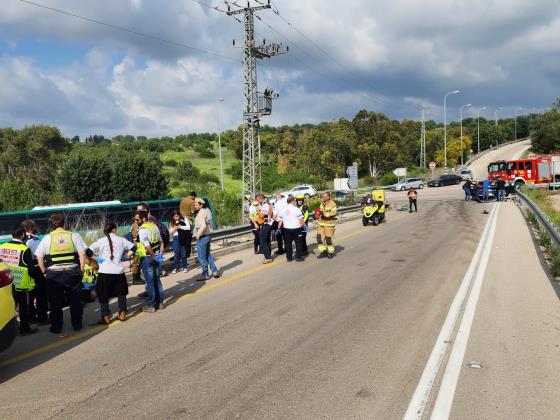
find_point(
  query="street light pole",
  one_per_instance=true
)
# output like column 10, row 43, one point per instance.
column 496, row 123
column 220, row 145
column 461, row 113
column 478, row 125
column 445, row 126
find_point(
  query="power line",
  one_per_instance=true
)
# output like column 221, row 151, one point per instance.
column 131, row 31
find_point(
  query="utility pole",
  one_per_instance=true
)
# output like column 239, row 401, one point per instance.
column 423, row 140
column 257, row 104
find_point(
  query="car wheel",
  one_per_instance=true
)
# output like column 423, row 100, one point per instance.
column 421, row 186
column 518, row 184
column 365, row 221
column 403, row 188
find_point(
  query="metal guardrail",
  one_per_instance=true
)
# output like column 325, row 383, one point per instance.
column 233, row 232
column 542, row 218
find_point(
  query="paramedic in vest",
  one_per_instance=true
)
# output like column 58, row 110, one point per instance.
column 264, row 211
column 150, row 238
column 61, row 257
column 20, row 260
column 326, row 222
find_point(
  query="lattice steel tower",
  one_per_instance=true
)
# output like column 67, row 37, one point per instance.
column 257, row 104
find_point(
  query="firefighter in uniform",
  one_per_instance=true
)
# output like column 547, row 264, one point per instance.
column 326, row 221
column 254, row 221
column 300, row 203
column 18, row 257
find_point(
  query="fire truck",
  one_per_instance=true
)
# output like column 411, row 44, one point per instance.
column 537, row 170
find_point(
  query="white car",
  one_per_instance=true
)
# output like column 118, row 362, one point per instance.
column 305, row 189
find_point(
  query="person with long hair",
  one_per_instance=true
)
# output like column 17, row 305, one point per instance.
column 111, row 279
column 180, row 230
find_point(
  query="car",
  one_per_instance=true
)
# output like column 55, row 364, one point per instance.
column 340, row 195
column 305, row 189
column 440, row 181
column 8, row 321
column 466, row 174
column 407, row 184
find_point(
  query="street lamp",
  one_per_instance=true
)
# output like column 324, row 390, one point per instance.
column 478, row 126
column 220, row 145
column 461, row 113
column 496, row 123
column 445, row 126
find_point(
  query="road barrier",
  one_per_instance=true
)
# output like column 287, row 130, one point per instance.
column 542, row 218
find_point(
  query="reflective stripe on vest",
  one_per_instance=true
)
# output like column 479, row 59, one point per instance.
column 140, row 250
column 12, row 254
column 62, row 250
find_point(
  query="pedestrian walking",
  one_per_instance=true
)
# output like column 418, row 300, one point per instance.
column 39, row 301
column 61, row 258
column 180, row 231
column 326, row 223
column 111, row 279
column 291, row 221
column 19, row 258
column 203, row 234
column 467, row 189
column 485, row 190
column 150, row 247
column 279, row 204
column 265, row 222
column 254, row 222
column 501, row 189
column 412, row 200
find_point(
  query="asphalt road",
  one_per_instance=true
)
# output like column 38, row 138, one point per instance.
column 339, row 339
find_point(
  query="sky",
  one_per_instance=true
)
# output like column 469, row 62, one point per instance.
column 391, row 56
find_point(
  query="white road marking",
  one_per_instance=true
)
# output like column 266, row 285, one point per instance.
column 444, row 401
column 422, row 393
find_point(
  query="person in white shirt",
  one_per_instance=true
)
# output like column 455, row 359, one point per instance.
column 265, row 221
column 291, row 222
column 279, row 204
column 111, row 280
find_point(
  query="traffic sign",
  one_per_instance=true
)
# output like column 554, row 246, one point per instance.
column 432, row 165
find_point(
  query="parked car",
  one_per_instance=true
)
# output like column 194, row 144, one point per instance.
column 340, row 195
column 440, row 181
column 466, row 174
column 8, row 321
column 305, row 189
column 407, row 184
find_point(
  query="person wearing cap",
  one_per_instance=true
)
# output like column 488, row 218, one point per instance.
column 254, row 222
column 291, row 220
column 202, row 233
column 265, row 221
column 300, row 203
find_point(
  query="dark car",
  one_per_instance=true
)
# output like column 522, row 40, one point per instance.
column 478, row 195
column 443, row 180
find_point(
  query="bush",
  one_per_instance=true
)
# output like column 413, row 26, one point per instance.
column 206, row 154
column 205, row 178
column 186, row 171
column 171, row 162
column 20, row 194
column 388, row 179
column 235, row 170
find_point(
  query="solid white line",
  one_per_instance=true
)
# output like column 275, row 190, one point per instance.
column 421, row 394
column 444, row 401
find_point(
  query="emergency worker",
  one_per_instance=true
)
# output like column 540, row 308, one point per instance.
column 278, row 230
column 61, row 257
column 326, row 222
column 18, row 257
column 264, row 221
column 137, row 259
column 149, row 237
column 253, row 221
column 39, row 308
column 300, row 203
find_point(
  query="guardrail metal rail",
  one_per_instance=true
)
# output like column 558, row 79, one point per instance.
column 542, row 218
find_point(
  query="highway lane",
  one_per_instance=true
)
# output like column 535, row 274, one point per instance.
column 345, row 338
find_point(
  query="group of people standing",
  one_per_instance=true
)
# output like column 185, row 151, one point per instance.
column 499, row 184
column 55, row 271
column 288, row 220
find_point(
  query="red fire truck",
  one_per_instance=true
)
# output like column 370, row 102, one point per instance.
column 536, row 170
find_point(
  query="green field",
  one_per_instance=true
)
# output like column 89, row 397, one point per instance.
column 210, row 166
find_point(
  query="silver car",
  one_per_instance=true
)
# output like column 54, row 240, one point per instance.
column 407, row 184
